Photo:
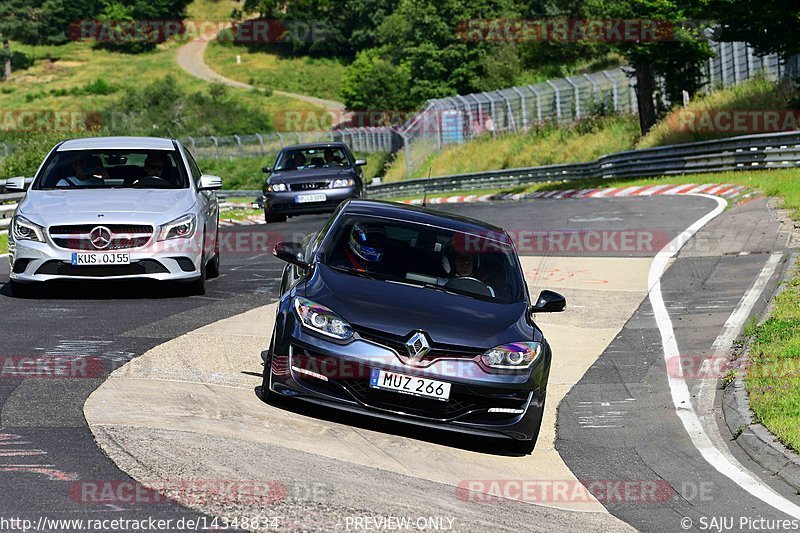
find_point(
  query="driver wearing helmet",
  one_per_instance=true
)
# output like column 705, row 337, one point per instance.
column 366, row 246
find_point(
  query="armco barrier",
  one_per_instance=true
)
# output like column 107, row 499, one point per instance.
column 763, row 151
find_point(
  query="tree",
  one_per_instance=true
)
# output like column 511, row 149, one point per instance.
column 374, row 83
column 15, row 17
column 770, row 26
column 675, row 53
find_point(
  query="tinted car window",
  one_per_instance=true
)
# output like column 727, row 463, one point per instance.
column 476, row 265
column 312, row 158
column 195, row 169
column 91, row 169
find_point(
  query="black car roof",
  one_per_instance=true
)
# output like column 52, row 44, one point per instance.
column 308, row 146
column 421, row 215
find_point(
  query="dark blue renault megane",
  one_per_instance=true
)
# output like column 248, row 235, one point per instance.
column 412, row 315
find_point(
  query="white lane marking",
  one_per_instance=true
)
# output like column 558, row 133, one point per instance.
column 681, row 398
column 721, row 347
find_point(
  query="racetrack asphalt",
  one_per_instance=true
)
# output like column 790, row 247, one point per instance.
column 54, row 448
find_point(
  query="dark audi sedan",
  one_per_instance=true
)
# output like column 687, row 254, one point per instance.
column 311, row 178
column 412, row 315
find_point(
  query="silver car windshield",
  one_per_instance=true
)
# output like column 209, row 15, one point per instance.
column 93, row 169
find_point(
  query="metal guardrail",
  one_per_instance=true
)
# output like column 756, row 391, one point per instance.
column 763, row 151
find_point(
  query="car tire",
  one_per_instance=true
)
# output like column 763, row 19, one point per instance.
column 266, row 394
column 197, row 287
column 23, row 290
column 212, row 269
column 270, row 219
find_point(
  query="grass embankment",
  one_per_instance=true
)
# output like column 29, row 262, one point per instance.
column 594, row 137
column 4, row 243
column 65, row 78
column 773, row 378
column 544, row 145
column 269, row 67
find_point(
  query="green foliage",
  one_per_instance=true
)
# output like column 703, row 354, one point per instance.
column 29, row 152
column 771, row 26
column 372, row 82
column 162, row 108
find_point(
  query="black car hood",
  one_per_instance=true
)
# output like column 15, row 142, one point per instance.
column 309, row 174
column 399, row 309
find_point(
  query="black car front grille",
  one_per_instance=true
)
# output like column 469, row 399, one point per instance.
column 62, row 268
column 309, row 186
column 463, row 399
column 123, row 236
column 398, row 344
column 87, row 228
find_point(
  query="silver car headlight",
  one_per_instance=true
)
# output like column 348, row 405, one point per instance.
column 181, row 228
column 277, row 187
column 512, row 356
column 319, row 318
column 23, row 229
column 340, row 183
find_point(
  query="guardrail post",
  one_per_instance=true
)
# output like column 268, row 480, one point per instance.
column 595, row 90
column 239, row 144
column 216, row 148
column 736, row 73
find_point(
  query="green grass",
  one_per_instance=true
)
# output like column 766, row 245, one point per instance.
column 4, row 243
column 756, row 95
column 320, row 77
column 59, row 71
column 773, row 378
column 239, row 213
column 546, row 145
column 211, row 9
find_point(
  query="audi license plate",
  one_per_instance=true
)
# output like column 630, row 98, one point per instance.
column 429, row 388
column 94, row 259
column 306, row 198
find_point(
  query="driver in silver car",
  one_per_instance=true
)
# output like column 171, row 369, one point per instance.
column 89, row 172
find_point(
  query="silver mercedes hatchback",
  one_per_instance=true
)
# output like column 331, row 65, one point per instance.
column 116, row 208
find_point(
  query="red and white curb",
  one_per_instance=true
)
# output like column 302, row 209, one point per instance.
column 725, row 190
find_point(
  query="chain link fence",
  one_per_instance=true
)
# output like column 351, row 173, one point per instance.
column 458, row 119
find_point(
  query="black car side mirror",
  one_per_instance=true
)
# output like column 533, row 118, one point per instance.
column 291, row 252
column 266, row 169
column 549, row 302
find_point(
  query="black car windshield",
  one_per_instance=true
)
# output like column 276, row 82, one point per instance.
column 480, row 265
column 98, row 169
column 297, row 159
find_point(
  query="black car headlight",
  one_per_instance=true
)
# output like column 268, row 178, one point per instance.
column 512, row 356
column 341, row 183
column 319, row 318
column 23, row 229
column 277, row 187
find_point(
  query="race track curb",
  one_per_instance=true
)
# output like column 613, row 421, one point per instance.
column 725, row 190
column 753, row 437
